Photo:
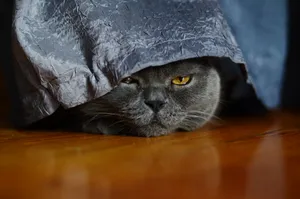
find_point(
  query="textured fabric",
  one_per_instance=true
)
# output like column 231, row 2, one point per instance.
column 260, row 28
column 70, row 52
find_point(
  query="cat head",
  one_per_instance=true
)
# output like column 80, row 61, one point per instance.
column 156, row 101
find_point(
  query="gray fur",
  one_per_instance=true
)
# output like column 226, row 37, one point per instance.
column 188, row 107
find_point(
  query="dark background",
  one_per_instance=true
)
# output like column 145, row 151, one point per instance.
column 291, row 86
column 7, row 73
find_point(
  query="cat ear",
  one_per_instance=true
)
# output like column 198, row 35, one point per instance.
column 210, row 61
column 214, row 61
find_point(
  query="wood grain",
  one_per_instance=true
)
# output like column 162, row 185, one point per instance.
column 253, row 158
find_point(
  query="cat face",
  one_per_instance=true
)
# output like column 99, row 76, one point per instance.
column 156, row 101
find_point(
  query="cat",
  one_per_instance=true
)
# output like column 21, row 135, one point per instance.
column 156, row 101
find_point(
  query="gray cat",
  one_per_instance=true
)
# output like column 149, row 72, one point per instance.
column 156, row 101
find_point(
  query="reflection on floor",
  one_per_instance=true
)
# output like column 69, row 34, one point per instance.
column 242, row 158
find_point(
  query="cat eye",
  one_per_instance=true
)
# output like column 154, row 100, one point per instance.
column 181, row 80
column 129, row 80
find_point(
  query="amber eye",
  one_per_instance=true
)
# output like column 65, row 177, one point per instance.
column 129, row 80
column 181, row 80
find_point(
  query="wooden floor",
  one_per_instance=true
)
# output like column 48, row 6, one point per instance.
column 242, row 159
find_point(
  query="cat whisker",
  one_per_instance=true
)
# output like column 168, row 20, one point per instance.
column 196, row 116
column 206, row 118
column 201, row 112
column 216, row 117
column 206, row 114
column 190, row 124
column 213, row 121
column 223, row 102
column 195, row 120
column 91, row 119
column 115, row 123
column 104, row 114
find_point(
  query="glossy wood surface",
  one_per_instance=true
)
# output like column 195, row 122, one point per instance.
column 243, row 158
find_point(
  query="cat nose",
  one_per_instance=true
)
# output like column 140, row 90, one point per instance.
column 155, row 105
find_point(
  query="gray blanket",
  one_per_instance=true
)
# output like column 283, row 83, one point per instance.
column 70, row 52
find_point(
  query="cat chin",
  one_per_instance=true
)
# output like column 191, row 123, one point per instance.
column 152, row 130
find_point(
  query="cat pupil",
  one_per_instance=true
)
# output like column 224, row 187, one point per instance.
column 127, row 80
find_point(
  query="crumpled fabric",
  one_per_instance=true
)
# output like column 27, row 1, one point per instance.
column 73, row 51
column 261, row 28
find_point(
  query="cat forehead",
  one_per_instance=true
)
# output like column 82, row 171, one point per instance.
column 178, row 68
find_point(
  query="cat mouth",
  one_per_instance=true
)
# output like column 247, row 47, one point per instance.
column 156, row 121
column 158, row 124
